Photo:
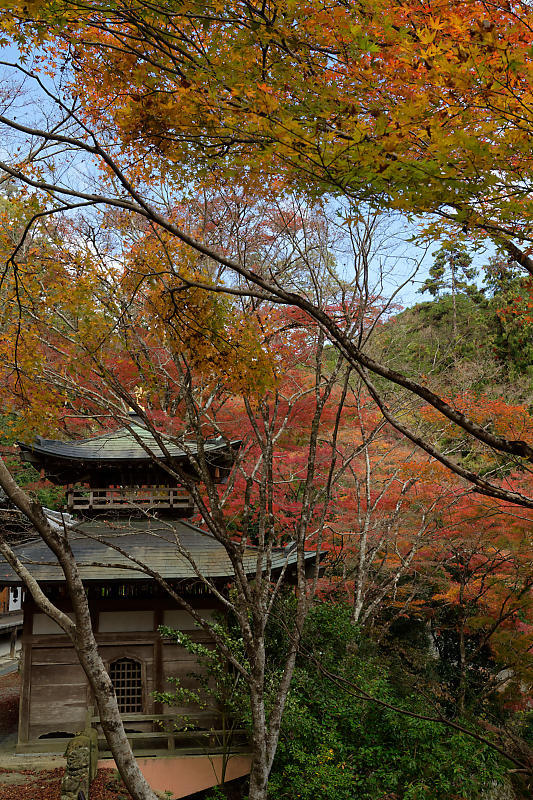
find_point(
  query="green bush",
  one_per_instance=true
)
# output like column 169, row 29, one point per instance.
column 336, row 745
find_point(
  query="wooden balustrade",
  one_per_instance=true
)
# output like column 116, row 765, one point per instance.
column 170, row 733
column 125, row 498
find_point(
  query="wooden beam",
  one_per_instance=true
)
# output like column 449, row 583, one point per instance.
column 25, row 692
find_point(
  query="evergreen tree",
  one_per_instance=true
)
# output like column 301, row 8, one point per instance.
column 451, row 271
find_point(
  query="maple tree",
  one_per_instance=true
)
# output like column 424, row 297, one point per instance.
column 465, row 571
column 410, row 542
column 293, row 87
column 483, row 609
column 289, row 90
column 384, row 514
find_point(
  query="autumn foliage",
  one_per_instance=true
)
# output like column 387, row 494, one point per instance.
column 293, row 88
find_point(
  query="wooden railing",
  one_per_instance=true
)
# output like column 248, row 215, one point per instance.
column 170, row 731
column 121, row 499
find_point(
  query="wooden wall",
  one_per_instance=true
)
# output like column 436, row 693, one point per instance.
column 55, row 693
column 4, row 601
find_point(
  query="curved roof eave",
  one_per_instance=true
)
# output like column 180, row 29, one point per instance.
column 152, row 542
column 119, row 449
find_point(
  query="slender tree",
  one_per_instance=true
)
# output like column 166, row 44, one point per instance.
column 451, row 269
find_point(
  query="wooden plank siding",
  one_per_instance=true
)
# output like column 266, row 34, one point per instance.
column 55, row 692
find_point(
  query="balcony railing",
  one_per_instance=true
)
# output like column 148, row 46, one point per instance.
column 160, row 498
column 166, row 731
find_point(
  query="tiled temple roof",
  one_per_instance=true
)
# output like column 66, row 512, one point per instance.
column 151, row 541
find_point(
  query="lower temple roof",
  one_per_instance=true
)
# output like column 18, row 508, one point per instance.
column 154, row 542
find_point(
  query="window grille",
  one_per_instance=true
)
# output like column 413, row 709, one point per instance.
column 125, row 674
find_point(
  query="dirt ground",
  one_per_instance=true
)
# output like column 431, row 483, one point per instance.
column 9, row 705
column 46, row 785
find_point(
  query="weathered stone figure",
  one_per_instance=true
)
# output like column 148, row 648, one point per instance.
column 80, row 768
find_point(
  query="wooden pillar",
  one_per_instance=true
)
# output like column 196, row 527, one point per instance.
column 13, row 643
column 158, row 659
column 25, row 691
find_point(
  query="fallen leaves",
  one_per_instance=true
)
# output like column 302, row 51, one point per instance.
column 46, row 785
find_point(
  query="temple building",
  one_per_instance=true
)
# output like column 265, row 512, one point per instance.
column 119, row 493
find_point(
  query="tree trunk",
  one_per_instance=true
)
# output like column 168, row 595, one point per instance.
column 454, row 303
column 462, row 669
column 110, row 720
column 258, row 778
column 462, row 654
column 259, row 768
column 80, row 634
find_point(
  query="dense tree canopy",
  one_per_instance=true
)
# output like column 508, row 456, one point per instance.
column 422, row 106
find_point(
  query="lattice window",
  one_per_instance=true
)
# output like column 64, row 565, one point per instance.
column 126, row 674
